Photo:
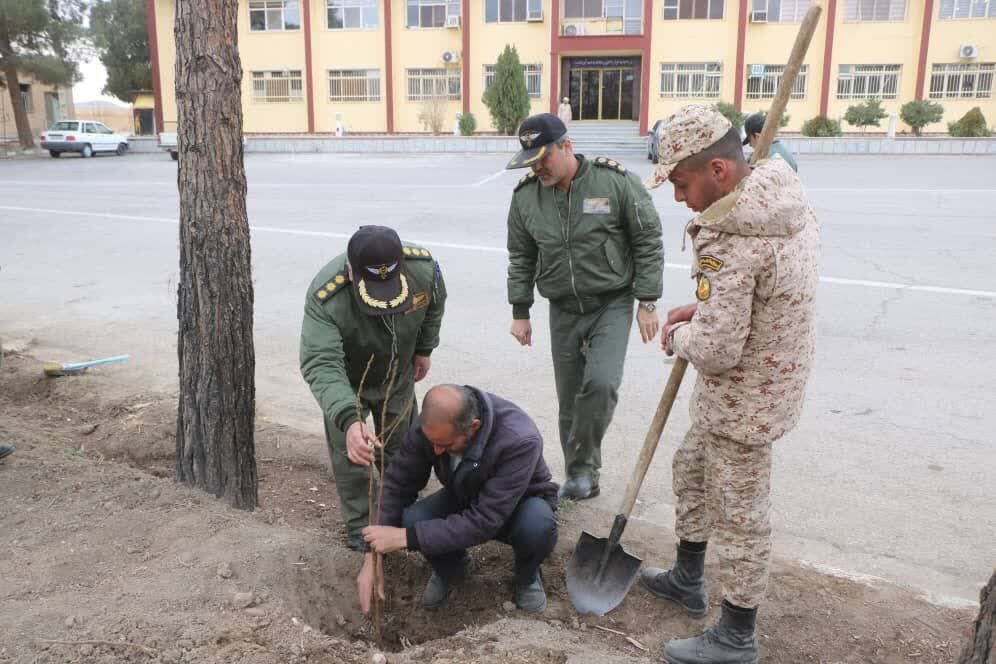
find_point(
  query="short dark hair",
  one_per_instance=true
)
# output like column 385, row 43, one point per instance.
column 470, row 410
column 728, row 147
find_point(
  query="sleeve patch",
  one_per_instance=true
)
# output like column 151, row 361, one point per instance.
column 704, row 289
column 526, row 179
column 707, row 262
column 332, row 286
column 605, row 162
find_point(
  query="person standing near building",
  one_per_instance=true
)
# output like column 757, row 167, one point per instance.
column 564, row 112
column 381, row 299
column 586, row 234
column 750, row 336
column 753, row 126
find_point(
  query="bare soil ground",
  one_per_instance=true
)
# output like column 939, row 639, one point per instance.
column 106, row 560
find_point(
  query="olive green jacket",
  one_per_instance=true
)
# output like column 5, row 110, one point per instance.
column 611, row 240
column 337, row 338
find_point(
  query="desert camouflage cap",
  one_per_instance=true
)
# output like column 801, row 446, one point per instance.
column 689, row 131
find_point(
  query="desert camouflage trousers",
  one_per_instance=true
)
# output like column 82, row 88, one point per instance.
column 723, row 492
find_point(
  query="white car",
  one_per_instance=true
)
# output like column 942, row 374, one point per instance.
column 83, row 136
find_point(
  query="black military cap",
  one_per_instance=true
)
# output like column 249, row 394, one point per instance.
column 377, row 258
column 754, row 124
column 536, row 134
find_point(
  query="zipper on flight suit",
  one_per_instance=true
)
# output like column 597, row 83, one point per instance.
column 570, row 255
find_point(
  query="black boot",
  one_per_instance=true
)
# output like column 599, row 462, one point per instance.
column 730, row 641
column 683, row 584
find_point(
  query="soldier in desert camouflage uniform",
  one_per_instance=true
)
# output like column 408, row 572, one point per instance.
column 750, row 336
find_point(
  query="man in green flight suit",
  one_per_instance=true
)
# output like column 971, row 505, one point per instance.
column 587, row 235
column 383, row 300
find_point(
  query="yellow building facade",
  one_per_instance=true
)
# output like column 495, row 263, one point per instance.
column 410, row 66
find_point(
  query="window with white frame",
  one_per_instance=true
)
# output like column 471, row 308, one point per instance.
column 690, row 79
column 684, row 9
column 431, row 13
column 351, row 14
column 875, row 10
column 532, row 72
column 968, row 8
column 354, row 85
column 583, row 9
column 512, row 11
column 277, row 86
column 779, row 11
column 437, row 83
column 962, row 81
column 868, row 81
column 763, row 81
column 274, row 15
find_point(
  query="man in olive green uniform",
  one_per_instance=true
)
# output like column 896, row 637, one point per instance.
column 587, row 235
column 383, row 300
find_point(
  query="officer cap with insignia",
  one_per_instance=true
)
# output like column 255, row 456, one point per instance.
column 536, row 134
column 377, row 258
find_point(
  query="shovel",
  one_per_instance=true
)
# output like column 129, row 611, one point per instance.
column 601, row 572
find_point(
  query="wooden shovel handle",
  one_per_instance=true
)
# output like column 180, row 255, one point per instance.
column 774, row 117
column 654, row 435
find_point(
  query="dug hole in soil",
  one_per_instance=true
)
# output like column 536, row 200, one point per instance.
column 108, row 560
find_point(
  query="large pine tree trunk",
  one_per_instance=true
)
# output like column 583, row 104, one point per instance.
column 24, row 134
column 215, row 447
column 981, row 648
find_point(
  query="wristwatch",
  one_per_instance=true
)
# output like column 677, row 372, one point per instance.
column 649, row 307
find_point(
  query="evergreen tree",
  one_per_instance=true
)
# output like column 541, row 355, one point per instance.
column 40, row 38
column 507, row 99
column 920, row 113
column 121, row 36
column 866, row 114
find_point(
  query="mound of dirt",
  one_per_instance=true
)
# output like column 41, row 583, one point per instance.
column 108, row 560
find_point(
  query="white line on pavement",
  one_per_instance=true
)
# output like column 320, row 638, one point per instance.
column 497, row 250
column 490, row 178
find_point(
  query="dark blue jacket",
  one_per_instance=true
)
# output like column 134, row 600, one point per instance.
column 501, row 466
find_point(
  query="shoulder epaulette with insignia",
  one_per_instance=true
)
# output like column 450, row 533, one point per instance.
column 416, row 253
column 605, row 162
column 335, row 284
column 526, row 179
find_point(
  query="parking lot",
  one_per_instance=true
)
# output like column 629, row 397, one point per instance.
column 889, row 474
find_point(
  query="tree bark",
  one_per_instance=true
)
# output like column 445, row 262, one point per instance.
column 24, row 135
column 981, row 647
column 215, row 445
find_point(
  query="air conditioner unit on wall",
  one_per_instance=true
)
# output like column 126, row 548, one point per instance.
column 755, row 71
column 573, row 29
column 452, row 21
column 451, row 57
column 968, row 51
column 760, row 16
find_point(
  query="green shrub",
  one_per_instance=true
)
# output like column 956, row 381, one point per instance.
column 468, row 123
column 920, row 113
column 507, row 99
column 866, row 114
column 821, row 126
column 731, row 113
column 971, row 125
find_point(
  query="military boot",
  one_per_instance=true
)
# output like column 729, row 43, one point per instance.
column 730, row 641
column 683, row 584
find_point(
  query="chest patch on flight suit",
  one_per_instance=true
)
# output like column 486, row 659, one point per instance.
column 707, row 262
column 704, row 289
column 419, row 301
column 596, row 206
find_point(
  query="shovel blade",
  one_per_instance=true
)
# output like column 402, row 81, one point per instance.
column 599, row 591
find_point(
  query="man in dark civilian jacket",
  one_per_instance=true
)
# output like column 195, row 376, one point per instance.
column 488, row 455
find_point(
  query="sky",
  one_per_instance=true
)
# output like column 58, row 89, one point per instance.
column 94, row 77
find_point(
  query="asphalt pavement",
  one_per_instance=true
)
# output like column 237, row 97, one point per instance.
column 889, row 475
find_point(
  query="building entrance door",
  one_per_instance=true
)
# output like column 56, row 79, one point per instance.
column 602, row 93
